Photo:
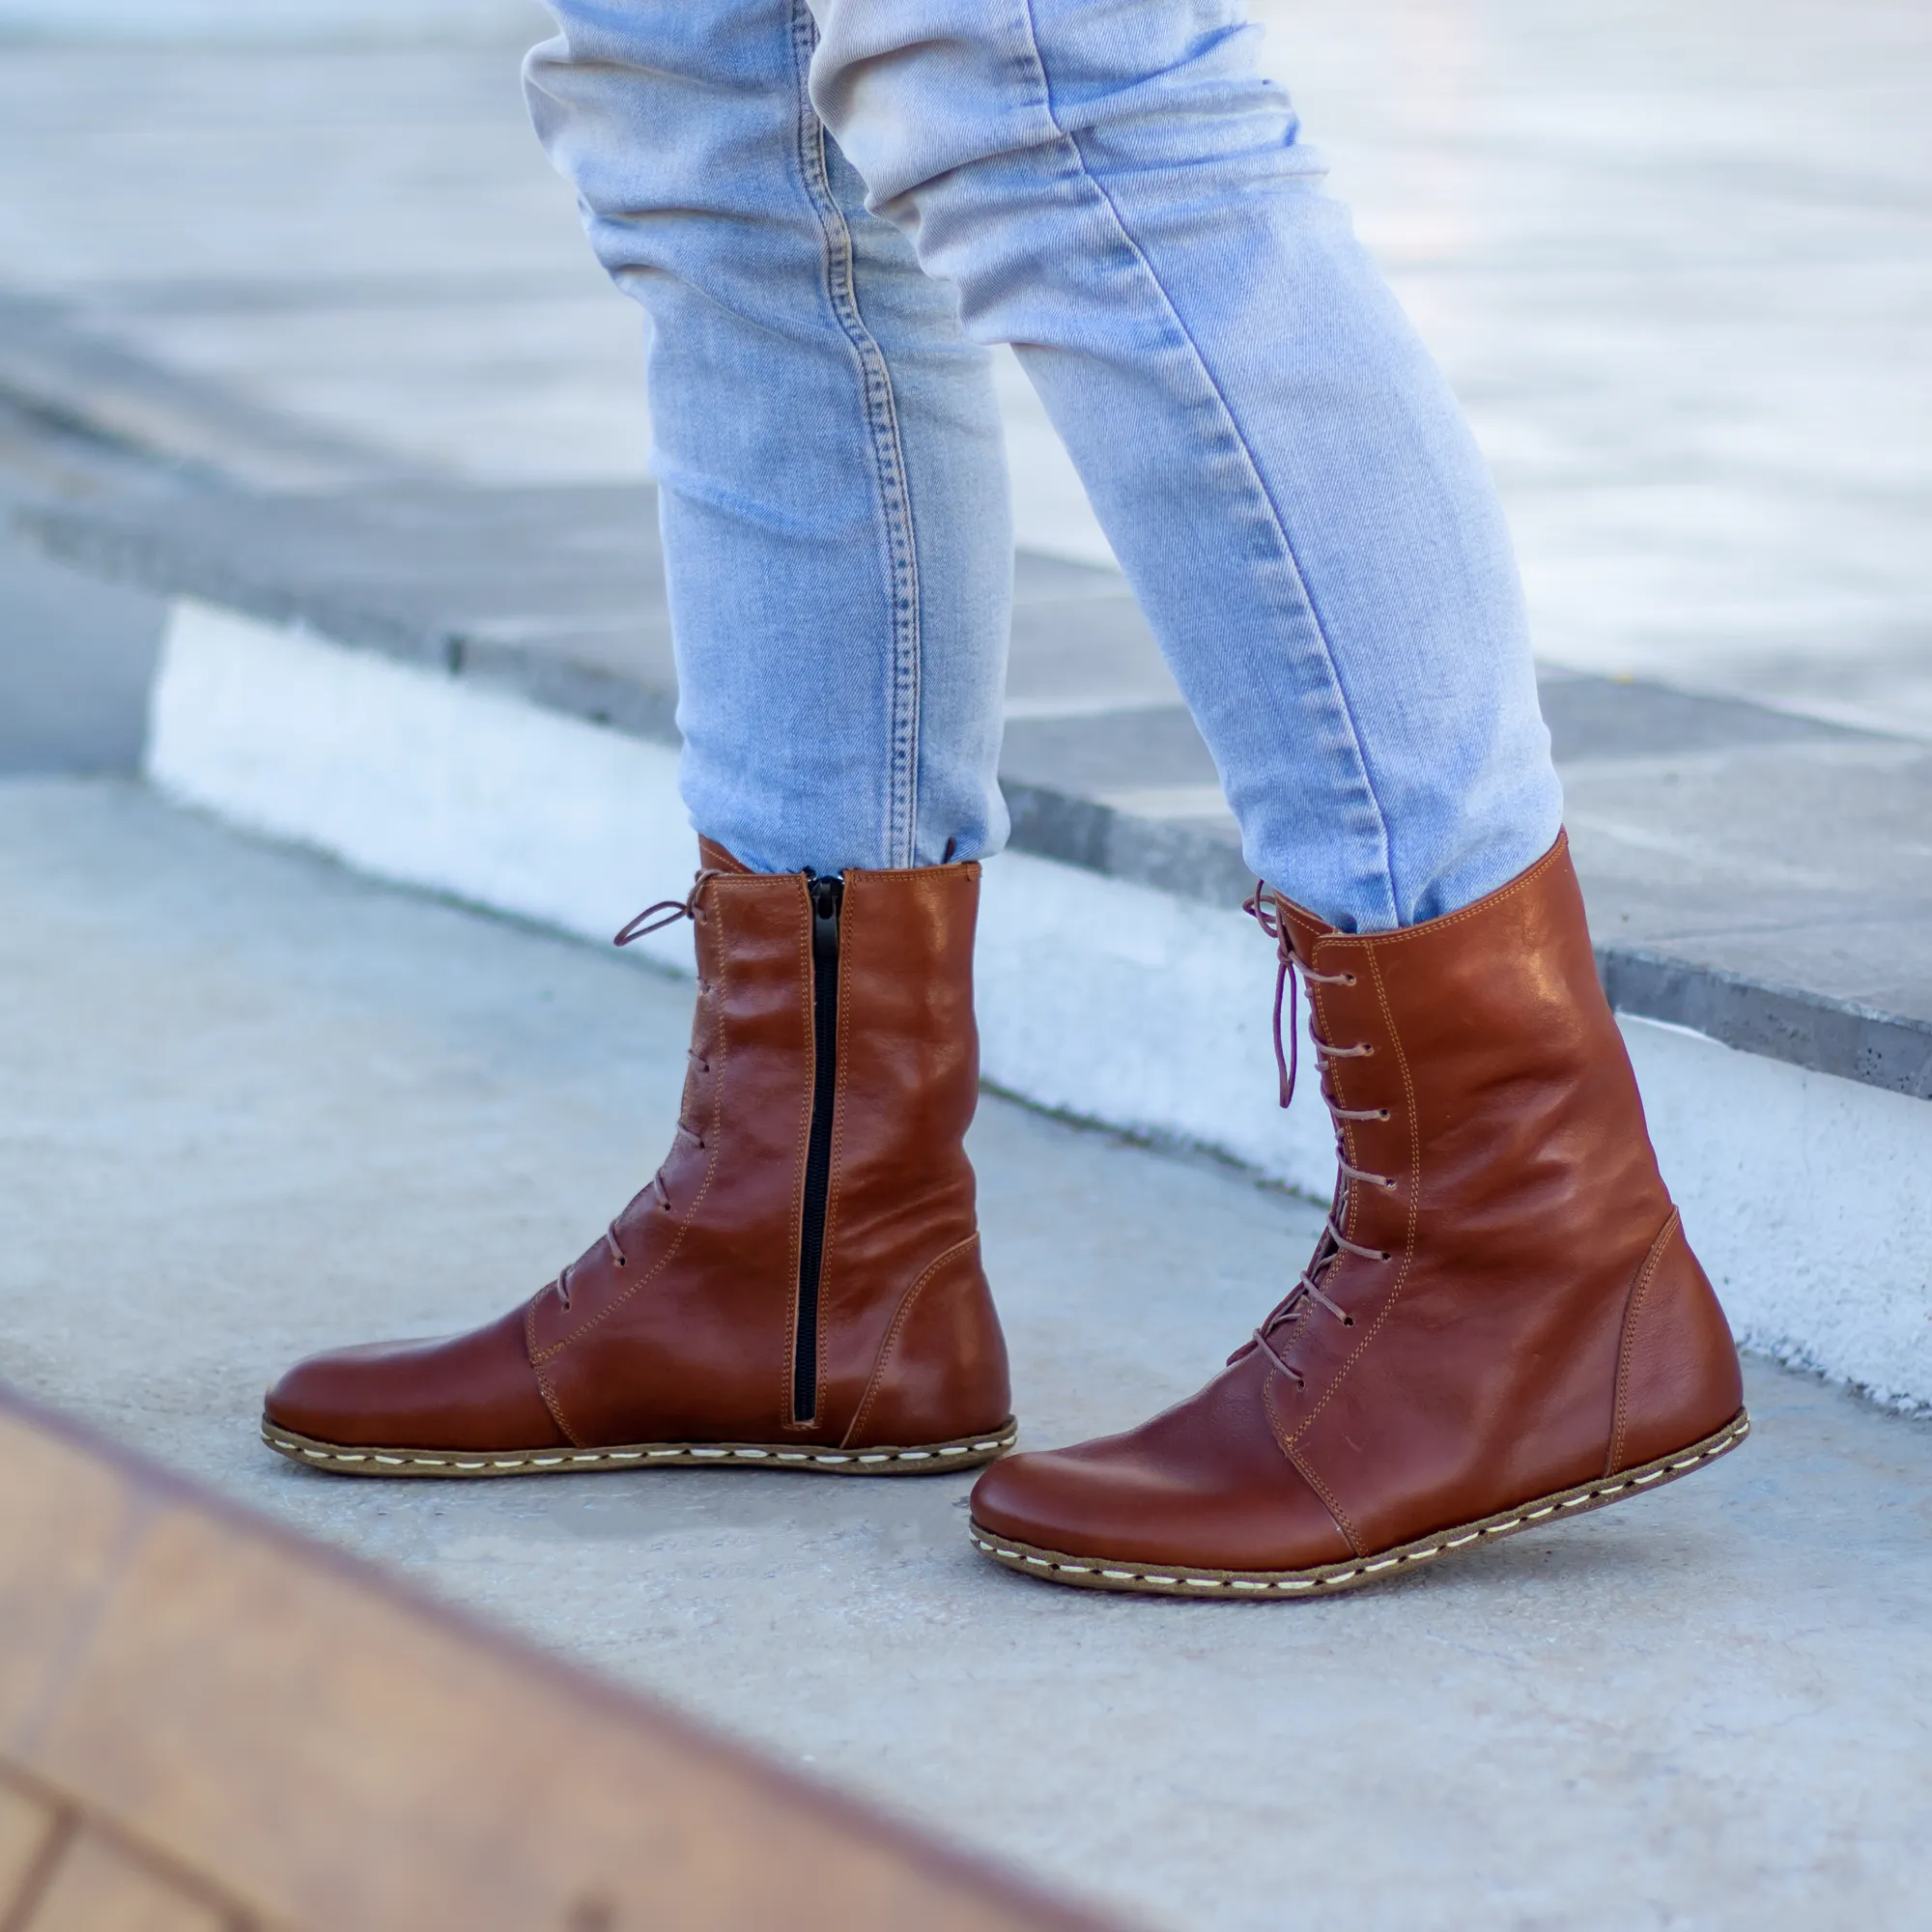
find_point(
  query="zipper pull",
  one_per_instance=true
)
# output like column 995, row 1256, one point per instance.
column 826, row 893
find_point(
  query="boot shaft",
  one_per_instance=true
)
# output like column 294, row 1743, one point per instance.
column 838, row 1011
column 1512, row 1124
column 819, row 1177
column 1517, row 1229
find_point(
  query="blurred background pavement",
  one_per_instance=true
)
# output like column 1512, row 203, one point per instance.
column 1677, row 259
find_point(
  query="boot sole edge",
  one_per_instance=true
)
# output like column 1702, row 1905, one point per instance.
column 931, row 1459
column 1137, row 1578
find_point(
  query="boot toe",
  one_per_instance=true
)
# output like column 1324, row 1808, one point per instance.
column 1206, row 1486
column 465, row 1392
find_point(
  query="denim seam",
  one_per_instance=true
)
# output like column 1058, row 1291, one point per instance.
column 1262, row 489
column 842, row 290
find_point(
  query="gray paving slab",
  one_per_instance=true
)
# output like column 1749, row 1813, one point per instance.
column 53, row 365
column 255, row 1105
column 1763, row 876
column 76, row 658
column 77, row 653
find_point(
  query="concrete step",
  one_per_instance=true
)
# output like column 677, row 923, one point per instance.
column 471, row 689
column 257, row 1105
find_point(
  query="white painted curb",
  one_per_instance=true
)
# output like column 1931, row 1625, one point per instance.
column 1808, row 1197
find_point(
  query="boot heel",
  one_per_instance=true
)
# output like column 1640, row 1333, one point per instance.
column 1678, row 1379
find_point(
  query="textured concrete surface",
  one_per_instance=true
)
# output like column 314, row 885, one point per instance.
column 253, row 1105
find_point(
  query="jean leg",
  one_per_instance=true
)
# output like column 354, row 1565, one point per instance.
column 825, row 439
column 1112, row 189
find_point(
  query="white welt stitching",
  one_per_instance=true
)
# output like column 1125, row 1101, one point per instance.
column 1595, row 1493
column 593, row 1457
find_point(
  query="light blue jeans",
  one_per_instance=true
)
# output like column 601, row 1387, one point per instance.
column 829, row 208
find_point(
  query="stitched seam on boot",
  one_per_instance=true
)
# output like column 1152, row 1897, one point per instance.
column 1632, row 1308
column 670, row 1253
column 901, row 1317
column 1388, row 1308
column 838, row 283
column 551, row 1401
column 1277, row 1428
column 801, row 1156
column 958, row 871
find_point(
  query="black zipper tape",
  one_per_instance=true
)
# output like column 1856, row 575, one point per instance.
column 827, row 897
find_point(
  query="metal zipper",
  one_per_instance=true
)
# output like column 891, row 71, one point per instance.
column 827, row 895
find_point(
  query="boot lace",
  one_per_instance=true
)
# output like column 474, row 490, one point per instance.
column 668, row 912
column 653, row 919
column 562, row 1282
column 1264, row 909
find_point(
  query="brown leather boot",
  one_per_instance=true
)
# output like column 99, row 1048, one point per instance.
column 800, row 1286
column 1501, row 1327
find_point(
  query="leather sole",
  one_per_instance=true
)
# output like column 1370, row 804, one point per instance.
column 931, row 1458
column 1099, row 1572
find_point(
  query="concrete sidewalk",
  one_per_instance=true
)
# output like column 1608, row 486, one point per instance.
column 255, row 1105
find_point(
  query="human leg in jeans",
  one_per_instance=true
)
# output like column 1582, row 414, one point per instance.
column 1502, row 1316
column 800, row 1285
